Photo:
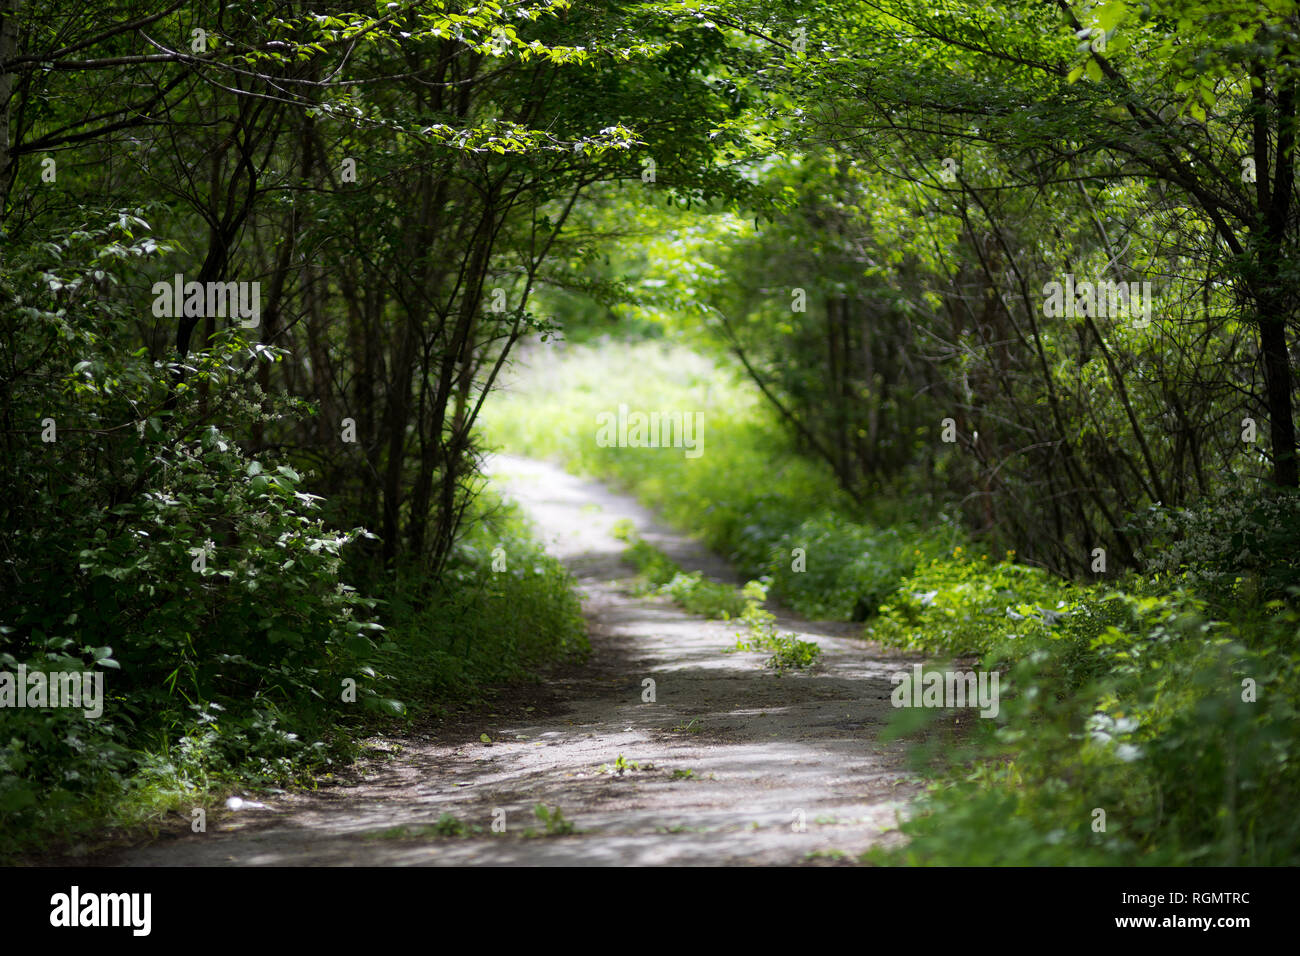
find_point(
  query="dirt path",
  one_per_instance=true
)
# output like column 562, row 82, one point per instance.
column 763, row 752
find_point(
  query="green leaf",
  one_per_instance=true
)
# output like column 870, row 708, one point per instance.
column 1110, row 15
column 12, row 801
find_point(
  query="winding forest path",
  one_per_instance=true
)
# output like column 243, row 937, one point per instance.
column 764, row 751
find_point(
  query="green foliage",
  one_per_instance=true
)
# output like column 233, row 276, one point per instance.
column 1135, row 703
column 895, row 274
column 144, row 543
column 848, row 569
column 553, row 820
column 966, row 605
column 1234, row 548
column 449, row 826
column 453, row 639
column 201, row 581
column 622, row 765
column 790, row 652
column 692, row 590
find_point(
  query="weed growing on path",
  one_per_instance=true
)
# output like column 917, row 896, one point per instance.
column 622, row 766
column 553, row 820
column 692, row 591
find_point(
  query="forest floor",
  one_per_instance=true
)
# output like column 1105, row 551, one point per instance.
column 737, row 764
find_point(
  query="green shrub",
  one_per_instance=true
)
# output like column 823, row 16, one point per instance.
column 143, row 542
column 661, row 575
column 849, row 569
column 964, row 605
column 1133, row 704
column 478, row 626
column 1234, row 548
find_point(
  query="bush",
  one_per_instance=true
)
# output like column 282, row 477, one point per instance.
column 478, row 626
column 849, row 569
column 965, row 605
column 1134, row 704
column 142, row 542
column 1235, row 549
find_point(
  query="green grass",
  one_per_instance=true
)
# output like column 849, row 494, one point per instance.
column 553, row 822
column 789, row 651
column 622, row 765
column 481, row 626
